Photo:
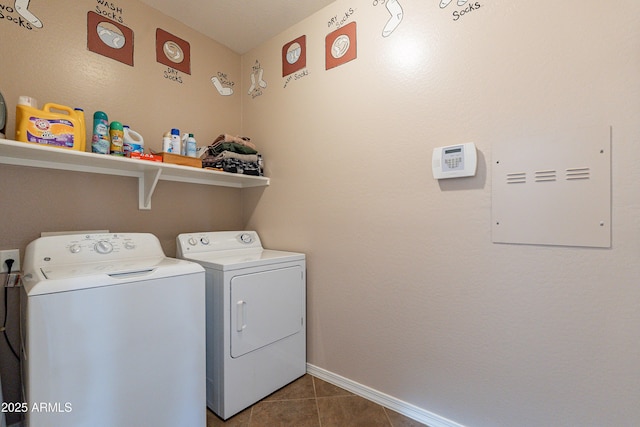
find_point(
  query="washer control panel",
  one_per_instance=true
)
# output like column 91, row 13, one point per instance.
column 102, row 244
column 80, row 248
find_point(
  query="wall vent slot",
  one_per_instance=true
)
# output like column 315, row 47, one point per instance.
column 545, row 175
column 516, row 178
column 578, row 173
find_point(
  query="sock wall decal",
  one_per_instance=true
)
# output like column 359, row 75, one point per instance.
column 341, row 46
column 294, row 56
column 395, row 9
column 109, row 38
column 257, row 80
column 22, row 7
column 222, row 90
column 173, row 51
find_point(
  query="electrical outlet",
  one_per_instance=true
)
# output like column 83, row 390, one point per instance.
column 13, row 254
column 13, row 280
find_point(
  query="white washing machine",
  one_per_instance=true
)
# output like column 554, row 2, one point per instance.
column 113, row 333
column 256, row 316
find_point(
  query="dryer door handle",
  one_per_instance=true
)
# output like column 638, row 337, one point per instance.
column 240, row 306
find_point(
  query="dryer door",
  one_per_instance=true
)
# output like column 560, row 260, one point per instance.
column 265, row 307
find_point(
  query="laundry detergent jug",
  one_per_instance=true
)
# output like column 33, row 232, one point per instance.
column 55, row 124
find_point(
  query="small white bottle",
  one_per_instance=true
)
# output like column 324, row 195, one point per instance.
column 192, row 146
column 166, row 142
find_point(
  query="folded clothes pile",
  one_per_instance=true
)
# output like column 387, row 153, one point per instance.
column 236, row 154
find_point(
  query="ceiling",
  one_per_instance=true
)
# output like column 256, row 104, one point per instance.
column 240, row 25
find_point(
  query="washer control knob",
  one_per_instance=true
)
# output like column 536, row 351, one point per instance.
column 75, row 248
column 104, row 247
column 193, row 241
column 246, row 238
column 129, row 245
column 205, row 240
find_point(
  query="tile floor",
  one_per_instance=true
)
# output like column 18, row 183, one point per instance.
column 312, row 402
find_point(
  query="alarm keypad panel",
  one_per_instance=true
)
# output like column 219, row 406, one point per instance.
column 454, row 161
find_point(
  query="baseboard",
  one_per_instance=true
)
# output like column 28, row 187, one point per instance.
column 404, row 408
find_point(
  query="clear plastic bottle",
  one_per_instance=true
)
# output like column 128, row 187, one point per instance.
column 192, row 146
column 183, row 144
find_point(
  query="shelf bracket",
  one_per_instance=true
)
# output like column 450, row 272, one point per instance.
column 146, row 185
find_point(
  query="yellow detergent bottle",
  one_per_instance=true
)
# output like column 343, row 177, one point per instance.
column 55, row 124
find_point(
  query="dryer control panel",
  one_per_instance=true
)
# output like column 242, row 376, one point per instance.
column 191, row 243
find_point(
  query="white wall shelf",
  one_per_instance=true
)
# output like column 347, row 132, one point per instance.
column 147, row 172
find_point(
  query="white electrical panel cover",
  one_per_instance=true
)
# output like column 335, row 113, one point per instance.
column 553, row 189
column 454, row 161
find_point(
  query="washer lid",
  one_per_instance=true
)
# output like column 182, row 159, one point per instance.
column 237, row 259
column 71, row 277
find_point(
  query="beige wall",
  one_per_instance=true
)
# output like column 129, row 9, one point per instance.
column 53, row 64
column 406, row 292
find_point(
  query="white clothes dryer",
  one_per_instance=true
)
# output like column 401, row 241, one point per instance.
column 256, row 316
column 113, row 333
